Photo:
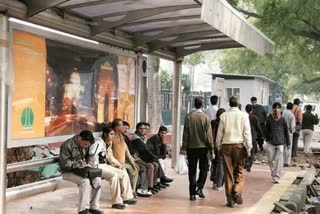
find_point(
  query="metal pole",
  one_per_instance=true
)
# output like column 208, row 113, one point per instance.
column 3, row 109
column 176, row 100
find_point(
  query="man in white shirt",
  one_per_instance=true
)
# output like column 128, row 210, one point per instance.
column 211, row 111
column 291, row 121
column 233, row 137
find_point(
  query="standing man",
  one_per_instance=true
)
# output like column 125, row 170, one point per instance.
column 297, row 112
column 277, row 136
column 261, row 114
column 196, row 143
column 73, row 155
column 234, row 141
column 211, row 111
column 291, row 121
column 308, row 120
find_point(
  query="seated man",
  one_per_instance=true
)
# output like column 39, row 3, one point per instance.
column 101, row 156
column 73, row 154
column 158, row 147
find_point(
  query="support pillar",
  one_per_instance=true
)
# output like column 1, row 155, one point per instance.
column 141, row 89
column 4, row 50
column 176, row 110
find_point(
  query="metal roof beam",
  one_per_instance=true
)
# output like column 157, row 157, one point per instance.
column 140, row 38
column 37, row 6
column 182, row 52
column 157, row 44
column 134, row 15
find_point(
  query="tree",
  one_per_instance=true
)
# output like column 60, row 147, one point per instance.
column 165, row 81
column 186, row 84
column 294, row 27
column 193, row 60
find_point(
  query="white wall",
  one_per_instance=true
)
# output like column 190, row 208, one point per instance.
column 248, row 89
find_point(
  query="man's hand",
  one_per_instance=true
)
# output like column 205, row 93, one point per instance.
column 248, row 152
column 213, row 156
column 121, row 167
column 183, row 152
column 83, row 164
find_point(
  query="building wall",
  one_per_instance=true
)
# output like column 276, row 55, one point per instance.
column 248, row 89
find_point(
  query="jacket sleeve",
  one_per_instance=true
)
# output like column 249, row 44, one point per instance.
column 286, row 132
column 267, row 130
column 315, row 120
column 299, row 115
column 220, row 133
column 258, row 127
column 94, row 150
column 247, row 133
column 186, row 134
column 65, row 159
column 209, row 135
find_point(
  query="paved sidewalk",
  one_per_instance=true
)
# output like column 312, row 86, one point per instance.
column 259, row 195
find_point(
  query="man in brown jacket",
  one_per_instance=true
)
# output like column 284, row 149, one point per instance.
column 296, row 110
column 197, row 141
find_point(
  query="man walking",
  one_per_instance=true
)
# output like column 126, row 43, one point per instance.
column 296, row 110
column 196, row 142
column 277, row 136
column 308, row 120
column 234, row 141
column 261, row 114
column 211, row 111
column 291, row 121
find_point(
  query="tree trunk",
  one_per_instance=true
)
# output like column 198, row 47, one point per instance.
column 154, row 94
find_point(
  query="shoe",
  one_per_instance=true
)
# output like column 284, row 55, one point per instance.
column 94, row 211
column 160, row 185
column 153, row 191
column 143, row 193
column 118, row 206
column 86, row 211
column 230, row 204
column 165, row 184
column 237, row 198
column 248, row 168
column 200, row 193
column 156, row 188
column 192, row 198
column 285, row 165
column 130, row 202
column 217, row 188
column 166, row 180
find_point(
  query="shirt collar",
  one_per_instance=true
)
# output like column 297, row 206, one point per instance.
column 234, row 109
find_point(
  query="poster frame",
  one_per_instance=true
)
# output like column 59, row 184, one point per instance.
column 60, row 38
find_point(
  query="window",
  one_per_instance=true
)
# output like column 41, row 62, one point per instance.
column 233, row 92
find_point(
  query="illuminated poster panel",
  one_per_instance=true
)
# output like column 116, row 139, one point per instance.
column 29, row 65
column 83, row 88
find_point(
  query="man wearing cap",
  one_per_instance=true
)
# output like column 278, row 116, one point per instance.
column 73, row 155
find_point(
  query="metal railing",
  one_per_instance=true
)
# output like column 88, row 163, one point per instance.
column 20, row 166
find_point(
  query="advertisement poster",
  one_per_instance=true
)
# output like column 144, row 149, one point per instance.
column 83, row 88
column 29, row 65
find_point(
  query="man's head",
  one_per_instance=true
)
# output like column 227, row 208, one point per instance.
column 309, row 107
column 141, row 128
column 253, row 101
column 147, row 126
column 117, row 125
column 214, row 100
column 276, row 107
column 198, row 102
column 233, row 102
column 126, row 127
column 289, row 106
column 162, row 131
column 296, row 101
column 85, row 138
column 248, row 108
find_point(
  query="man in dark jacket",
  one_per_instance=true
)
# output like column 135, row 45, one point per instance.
column 277, row 135
column 196, row 143
column 308, row 121
column 261, row 114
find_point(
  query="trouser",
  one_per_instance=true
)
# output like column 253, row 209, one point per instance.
column 152, row 172
column 142, row 180
column 287, row 152
column 163, row 165
column 133, row 175
column 195, row 155
column 217, row 171
column 275, row 160
column 233, row 159
column 307, row 135
column 160, row 169
column 295, row 138
column 119, row 183
column 88, row 196
column 260, row 139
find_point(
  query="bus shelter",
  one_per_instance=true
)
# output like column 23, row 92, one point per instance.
column 60, row 72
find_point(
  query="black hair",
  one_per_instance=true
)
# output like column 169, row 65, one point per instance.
column 248, row 108
column 162, row 129
column 125, row 123
column 219, row 112
column 115, row 123
column 289, row 105
column 198, row 102
column 87, row 135
column 233, row 102
column 139, row 125
column 106, row 130
column 296, row 101
column 253, row 99
column 309, row 107
column 146, row 124
column 214, row 100
column 276, row 105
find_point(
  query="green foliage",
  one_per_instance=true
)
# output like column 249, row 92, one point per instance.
column 165, row 81
column 294, row 26
column 186, row 84
column 194, row 59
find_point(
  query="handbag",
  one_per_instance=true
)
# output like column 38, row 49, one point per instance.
column 88, row 172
